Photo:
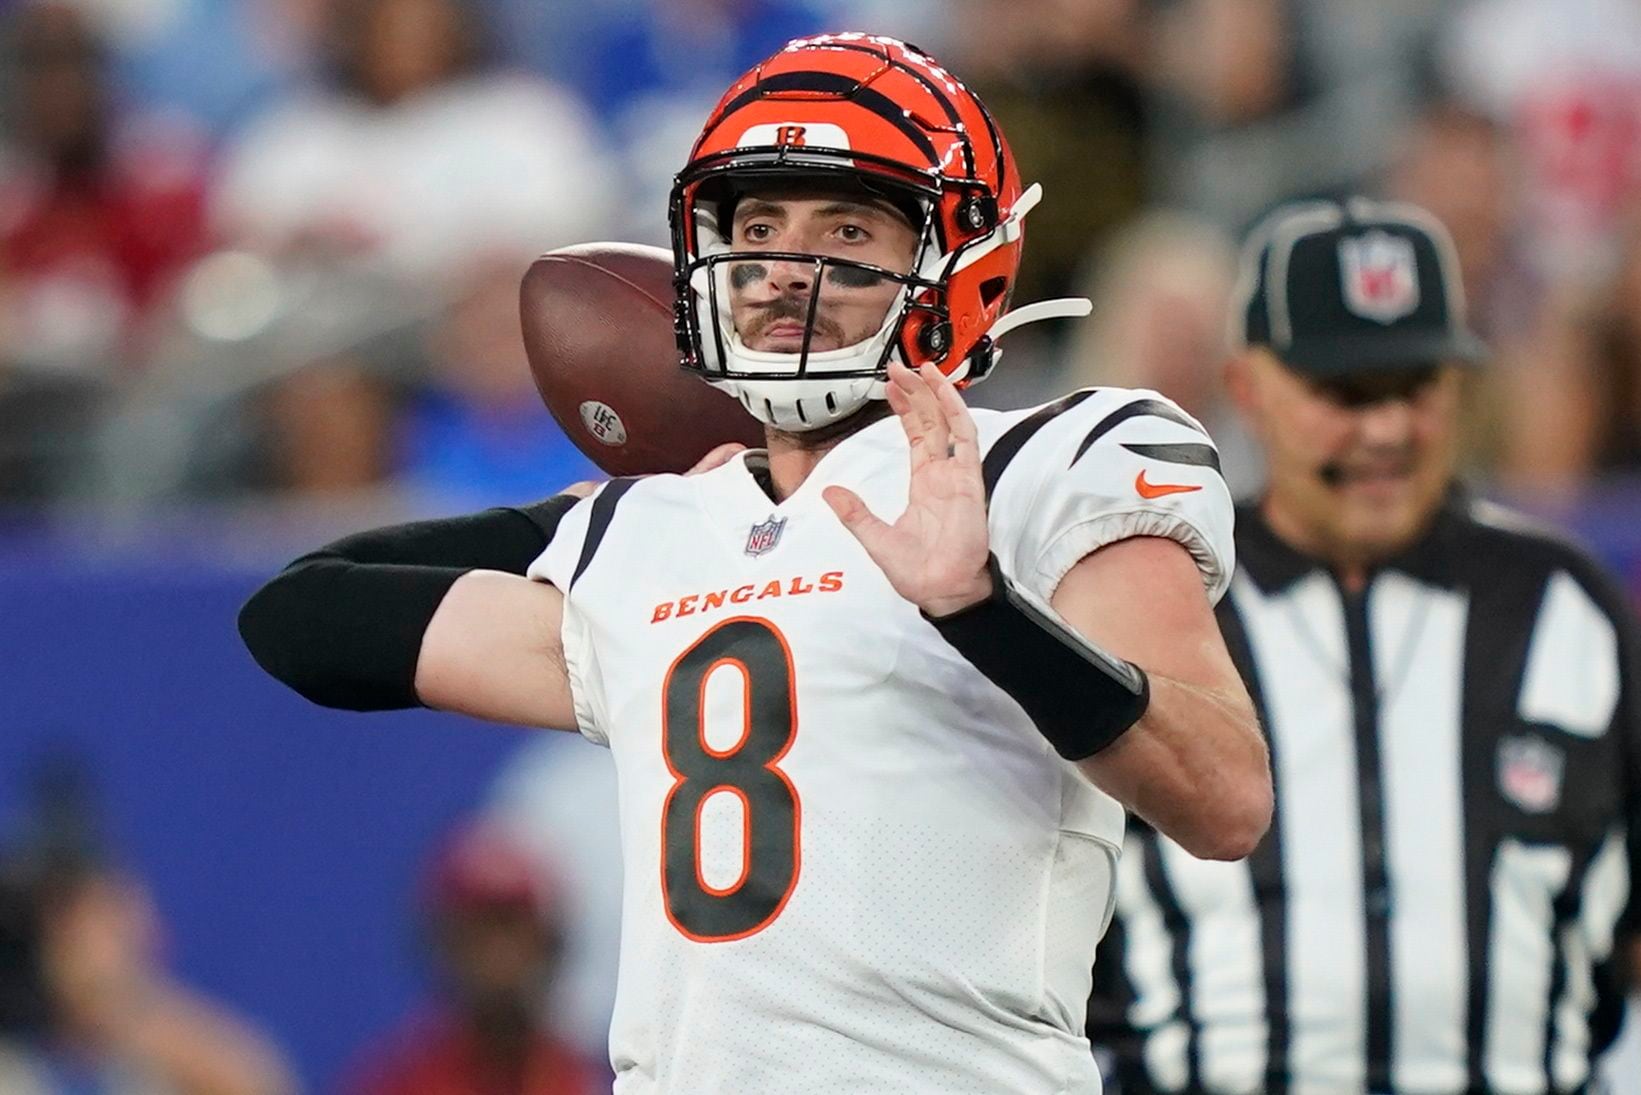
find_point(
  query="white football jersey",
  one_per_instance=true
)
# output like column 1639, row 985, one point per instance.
column 851, row 862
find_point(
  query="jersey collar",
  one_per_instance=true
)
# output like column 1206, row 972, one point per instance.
column 1274, row 564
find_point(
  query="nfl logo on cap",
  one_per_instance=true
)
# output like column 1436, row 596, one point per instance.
column 1333, row 288
column 1381, row 275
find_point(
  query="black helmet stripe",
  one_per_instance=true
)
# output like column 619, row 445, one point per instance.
column 939, row 96
column 934, row 89
column 830, row 83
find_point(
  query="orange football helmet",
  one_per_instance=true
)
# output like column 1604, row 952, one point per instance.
column 854, row 112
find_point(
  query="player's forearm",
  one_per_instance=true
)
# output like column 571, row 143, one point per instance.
column 1195, row 763
column 1195, row 766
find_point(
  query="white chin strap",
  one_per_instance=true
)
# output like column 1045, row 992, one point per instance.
column 790, row 405
column 799, row 405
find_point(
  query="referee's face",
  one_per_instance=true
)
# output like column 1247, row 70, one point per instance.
column 1357, row 464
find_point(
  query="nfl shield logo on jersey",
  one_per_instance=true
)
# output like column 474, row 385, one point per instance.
column 1381, row 275
column 1530, row 773
column 765, row 535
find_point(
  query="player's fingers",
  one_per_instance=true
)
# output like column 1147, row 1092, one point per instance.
column 919, row 394
column 910, row 420
column 896, row 396
column 718, row 457
column 867, row 527
column 926, row 408
column 964, row 436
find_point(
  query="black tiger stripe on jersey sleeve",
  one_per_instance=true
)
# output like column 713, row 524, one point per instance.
column 1009, row 445
column 598, row 522
column 1205, row 456
column 1154, row 408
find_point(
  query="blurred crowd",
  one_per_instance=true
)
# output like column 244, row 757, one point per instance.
column 274, row 245
column 89, row 1004
column 86, row 1001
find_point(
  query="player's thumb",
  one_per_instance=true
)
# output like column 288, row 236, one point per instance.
column 866, row 526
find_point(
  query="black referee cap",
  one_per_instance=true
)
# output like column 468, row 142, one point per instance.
column 1339, row 287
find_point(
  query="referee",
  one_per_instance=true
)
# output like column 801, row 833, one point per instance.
column 1453, row 701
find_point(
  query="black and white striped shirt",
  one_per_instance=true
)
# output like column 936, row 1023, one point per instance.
column 1437, row 905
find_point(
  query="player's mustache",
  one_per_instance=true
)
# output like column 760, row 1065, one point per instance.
column 795, row 309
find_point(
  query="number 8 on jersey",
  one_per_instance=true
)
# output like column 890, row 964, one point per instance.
column 770, row 811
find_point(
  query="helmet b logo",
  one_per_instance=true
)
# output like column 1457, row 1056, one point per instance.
column 794, row 135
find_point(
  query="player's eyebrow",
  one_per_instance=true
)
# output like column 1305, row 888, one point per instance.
column 758, row 207
column 845, row 208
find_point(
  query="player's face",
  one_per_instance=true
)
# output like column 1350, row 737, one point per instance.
column 1357, row 465
column 770, row 300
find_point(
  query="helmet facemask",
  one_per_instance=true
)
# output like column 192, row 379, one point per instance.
column 801, row 339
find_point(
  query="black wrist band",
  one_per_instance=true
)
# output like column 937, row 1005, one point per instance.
column 1080, row 697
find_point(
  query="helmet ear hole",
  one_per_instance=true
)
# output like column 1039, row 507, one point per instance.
column 979, row 213
column 935, row 339
column 992, row 290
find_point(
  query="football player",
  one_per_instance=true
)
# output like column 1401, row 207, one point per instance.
column 878, row 694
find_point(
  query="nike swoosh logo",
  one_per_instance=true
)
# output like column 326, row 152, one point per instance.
column 1158, row 490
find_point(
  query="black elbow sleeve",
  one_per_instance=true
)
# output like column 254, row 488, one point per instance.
column 345, row 635
column 344, row 626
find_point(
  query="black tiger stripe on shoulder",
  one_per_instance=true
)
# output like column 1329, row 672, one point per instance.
column 598, row 522
column 1009, row 445
column 1205, row 456
column 1139, row 408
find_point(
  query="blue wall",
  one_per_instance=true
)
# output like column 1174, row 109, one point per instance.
column 282, row 841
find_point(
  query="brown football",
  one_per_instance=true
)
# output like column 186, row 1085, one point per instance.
column 597, row 322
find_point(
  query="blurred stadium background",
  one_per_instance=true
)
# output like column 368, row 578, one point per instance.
column 258, row 274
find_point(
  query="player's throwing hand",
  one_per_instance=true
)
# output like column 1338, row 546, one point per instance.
column 935, row 553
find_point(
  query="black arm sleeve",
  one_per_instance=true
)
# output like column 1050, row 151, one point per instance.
column 343, row 626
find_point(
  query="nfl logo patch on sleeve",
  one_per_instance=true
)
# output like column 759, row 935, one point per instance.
column 1530, row 773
